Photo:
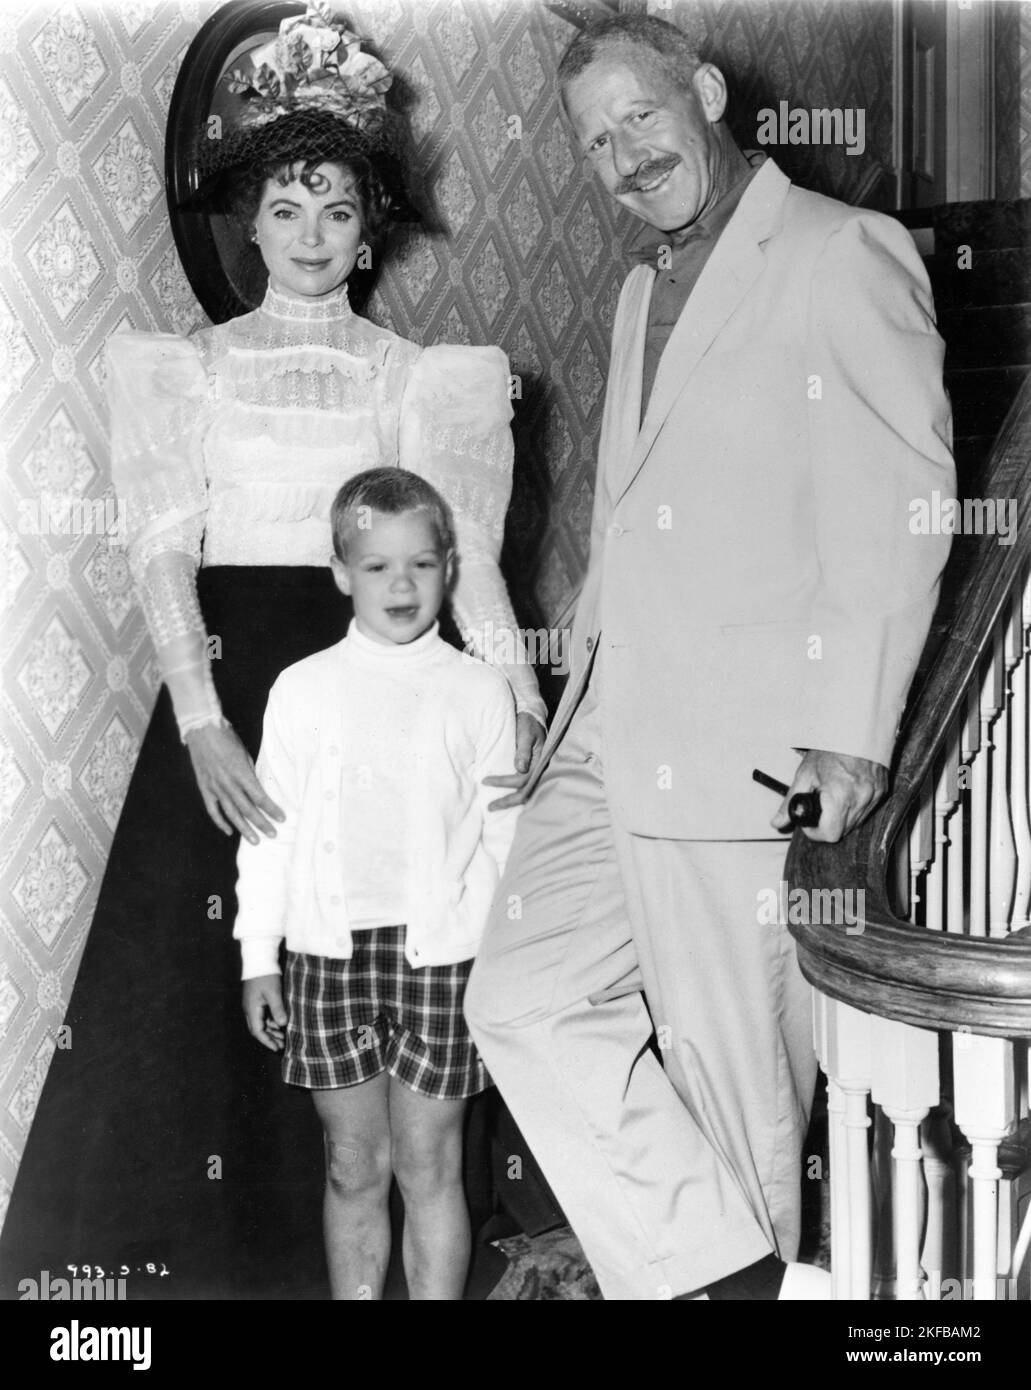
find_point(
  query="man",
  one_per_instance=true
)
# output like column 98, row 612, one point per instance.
column 754, row 598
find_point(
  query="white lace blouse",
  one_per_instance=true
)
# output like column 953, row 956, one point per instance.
column 229, row 446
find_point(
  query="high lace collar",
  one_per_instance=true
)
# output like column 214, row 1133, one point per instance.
column 329, row 308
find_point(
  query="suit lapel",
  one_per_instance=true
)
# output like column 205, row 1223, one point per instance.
column 729, row 273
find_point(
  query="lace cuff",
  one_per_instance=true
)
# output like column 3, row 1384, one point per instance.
column 485, row 619
column 528, row 698
column 159, row 403
column 168, row 591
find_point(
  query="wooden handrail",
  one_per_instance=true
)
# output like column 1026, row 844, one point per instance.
column 893, row 968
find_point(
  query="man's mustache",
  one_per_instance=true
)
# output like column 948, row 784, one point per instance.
column 647, row 173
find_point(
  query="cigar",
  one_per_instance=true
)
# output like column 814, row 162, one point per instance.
column 804, row 808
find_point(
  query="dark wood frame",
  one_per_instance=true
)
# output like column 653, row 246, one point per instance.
column 583, row 12
column 190, row 107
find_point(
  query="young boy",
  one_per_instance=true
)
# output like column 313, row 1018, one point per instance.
column 380, row 879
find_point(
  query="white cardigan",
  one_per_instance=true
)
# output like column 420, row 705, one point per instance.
column 462, row 729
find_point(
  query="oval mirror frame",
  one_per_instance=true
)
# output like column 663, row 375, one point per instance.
column 238, row 25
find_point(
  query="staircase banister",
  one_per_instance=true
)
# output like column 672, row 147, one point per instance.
column 884, row 965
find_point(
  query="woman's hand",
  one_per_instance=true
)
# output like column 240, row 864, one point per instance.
column 529, row 742
column 530, row 737
column 233, row 796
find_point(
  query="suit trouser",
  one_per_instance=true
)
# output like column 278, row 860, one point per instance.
column 677, row 1173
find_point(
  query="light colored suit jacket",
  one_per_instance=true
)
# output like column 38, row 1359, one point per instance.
column 754, row 587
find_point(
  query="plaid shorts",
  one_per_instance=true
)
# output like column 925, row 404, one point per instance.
column 351, row 1019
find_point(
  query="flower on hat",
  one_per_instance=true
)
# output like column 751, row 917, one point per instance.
column 312, row 63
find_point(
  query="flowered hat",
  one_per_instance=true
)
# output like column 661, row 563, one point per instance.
column 310, row 94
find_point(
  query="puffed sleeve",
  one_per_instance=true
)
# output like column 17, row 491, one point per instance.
column 454, row 432
column 159, row 405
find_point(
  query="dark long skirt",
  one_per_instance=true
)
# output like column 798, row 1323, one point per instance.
column 165, row 1139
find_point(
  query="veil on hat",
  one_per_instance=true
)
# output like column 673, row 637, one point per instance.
column 311, row 94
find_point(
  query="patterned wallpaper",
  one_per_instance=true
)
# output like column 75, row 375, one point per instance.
column 527, row 261
column 531, row 258
column 84, row 250
column 809, row 53
column 528, row 258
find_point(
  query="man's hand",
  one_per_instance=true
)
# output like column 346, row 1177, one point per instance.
column 233, row 796
column 529, row 742
column 849, row 789
column 264, row 1011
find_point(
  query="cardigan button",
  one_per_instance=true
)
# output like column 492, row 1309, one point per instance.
column 333, row 750
column 590, row 644
column 334, row 899
column 329, row 846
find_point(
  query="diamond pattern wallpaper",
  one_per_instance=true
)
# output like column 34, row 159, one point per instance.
column 84, row 249
column 529, row 255
column 809, row 53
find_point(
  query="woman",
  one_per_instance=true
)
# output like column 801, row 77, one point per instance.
column 164, row 1150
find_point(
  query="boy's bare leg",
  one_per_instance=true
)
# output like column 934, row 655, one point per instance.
column 356, row 1215
column 426, row 1148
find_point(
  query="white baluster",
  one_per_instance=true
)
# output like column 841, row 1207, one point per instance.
column 904, row 1082
column 1020, row 780
column 1022, row 1247
column 959, row 854
column 985, row 1095
column 947, row 863
column 848, row 1063
column 836, row 1151
column 921, row 847
column 970, row 745
column 1002, row 855
column 991, row 700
